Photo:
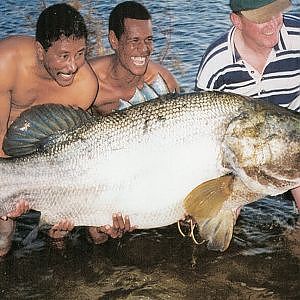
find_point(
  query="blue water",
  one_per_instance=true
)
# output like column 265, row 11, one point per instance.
column 263, row 258
column 185, row 28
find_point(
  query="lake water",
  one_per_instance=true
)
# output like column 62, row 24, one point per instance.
column 262, row 261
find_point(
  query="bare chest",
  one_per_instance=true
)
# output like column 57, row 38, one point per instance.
column 108, row 98
column 27, row 93
column 30, row 92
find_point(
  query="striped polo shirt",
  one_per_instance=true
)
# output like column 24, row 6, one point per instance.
column 223, row 69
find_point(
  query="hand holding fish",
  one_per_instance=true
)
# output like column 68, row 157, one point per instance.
column 120, row 225
column 100, row 234
column 61, row 229
column 21, row 207
column 296, row 195
column 7, row 225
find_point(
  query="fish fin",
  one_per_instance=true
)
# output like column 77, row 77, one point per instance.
column 206, row 200
column 38, row 126
column 218, row 230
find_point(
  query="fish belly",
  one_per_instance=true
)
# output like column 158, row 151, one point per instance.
column 150, row 184
column 144, row 181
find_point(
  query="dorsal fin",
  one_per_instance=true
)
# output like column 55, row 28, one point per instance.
column 39, row 124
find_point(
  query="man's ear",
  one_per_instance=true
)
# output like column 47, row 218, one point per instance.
column 40, row 51
column 236, row 20
column 114, row 42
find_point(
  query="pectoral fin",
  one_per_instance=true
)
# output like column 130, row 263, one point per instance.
column 204, row 204
column 218, row 231
column 206, row 200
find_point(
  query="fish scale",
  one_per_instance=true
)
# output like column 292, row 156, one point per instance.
column 142, row 161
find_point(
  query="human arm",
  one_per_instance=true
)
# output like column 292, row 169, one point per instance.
column 7, row 226
column 296, row 195
column 4, row 116
column 4, row 111
column 22, row 206
column 7, row 79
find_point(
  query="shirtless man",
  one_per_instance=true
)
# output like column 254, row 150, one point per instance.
column 129, row 76
column 49, row 69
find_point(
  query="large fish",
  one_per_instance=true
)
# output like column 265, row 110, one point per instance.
column 204, row 154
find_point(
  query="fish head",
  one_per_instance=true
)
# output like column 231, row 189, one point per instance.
column 262, row 147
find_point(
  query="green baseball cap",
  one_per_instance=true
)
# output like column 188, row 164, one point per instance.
column 260, row 11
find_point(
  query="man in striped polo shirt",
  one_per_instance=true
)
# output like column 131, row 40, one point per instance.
column 259, row 56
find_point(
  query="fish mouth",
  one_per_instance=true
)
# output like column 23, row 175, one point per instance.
column 138, row 60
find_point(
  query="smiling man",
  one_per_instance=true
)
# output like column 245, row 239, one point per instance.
column 129, row 76
column 49, row 69
column 258, row 57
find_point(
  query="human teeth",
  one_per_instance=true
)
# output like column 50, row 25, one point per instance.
column 137, row 60
column 66, row 76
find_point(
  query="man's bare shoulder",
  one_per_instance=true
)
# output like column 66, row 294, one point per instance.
column 100, row 65
column 15, row 52
column 154, row 69
column 87, row 82
column 86, row 73
column 16, row 43
column 13, row 49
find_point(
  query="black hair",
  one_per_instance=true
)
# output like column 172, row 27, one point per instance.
column 127, row 9
column 59, row 20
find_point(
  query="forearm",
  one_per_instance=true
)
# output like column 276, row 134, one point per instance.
column 4, row 116
column 2, row 133
column 296, row 195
